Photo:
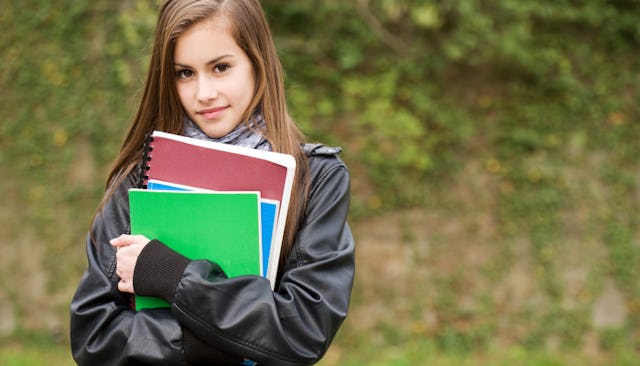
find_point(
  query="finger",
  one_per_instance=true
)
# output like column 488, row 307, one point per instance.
column 117, row 242
column 126, row 240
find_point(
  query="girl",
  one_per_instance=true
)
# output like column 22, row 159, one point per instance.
column 215, row 75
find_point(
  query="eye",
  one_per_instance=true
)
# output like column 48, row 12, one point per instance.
column 184, row 73
column 221, row 67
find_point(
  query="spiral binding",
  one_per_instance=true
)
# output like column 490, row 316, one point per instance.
column 144, row 167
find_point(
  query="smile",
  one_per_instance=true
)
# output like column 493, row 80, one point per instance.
column 212, row 113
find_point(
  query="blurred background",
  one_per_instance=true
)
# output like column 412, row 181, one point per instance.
column 493, row 148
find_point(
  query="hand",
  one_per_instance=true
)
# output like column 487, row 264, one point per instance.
column 128, row 248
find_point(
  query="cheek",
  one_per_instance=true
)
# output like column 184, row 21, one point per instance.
column 247, row 89
column 245, row 84
column 183, row 93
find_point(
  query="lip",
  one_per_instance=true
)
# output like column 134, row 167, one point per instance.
column 211, row 113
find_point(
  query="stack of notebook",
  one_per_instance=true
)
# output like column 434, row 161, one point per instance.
column 214, row 201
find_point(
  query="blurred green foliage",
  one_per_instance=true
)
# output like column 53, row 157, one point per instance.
column 542, row 94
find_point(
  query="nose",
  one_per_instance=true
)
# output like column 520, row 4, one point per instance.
column 207, row 89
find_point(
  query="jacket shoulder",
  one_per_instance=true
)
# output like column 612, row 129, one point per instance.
column 322, row 159
column 327, row 170
column 321, row 149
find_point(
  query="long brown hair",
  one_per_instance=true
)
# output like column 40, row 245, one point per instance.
column 160, row 107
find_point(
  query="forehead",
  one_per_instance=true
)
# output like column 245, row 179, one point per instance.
column 205, row 39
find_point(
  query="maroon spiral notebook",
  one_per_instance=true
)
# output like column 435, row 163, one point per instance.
column 222, row 167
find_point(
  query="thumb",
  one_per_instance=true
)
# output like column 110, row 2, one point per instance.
column 120, row 241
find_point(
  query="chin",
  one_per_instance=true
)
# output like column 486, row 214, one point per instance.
column 216, row 133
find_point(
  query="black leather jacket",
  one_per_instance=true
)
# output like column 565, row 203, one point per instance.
column 225, row 318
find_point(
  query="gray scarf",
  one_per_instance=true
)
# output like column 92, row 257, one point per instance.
column 245, row 134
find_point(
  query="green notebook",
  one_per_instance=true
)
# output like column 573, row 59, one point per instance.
column 223, row 227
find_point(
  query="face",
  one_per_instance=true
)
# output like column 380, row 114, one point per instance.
column 214, row 77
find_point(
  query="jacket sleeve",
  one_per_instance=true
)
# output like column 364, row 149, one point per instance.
column 104, row 329
column 295, row 324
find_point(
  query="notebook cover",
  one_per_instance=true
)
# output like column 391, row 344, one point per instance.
column 221, row 227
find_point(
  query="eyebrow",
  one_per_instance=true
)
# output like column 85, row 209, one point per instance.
column 213, row 61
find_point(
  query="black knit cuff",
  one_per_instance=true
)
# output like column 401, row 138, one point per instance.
column 158, row 271
column 198, row 351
